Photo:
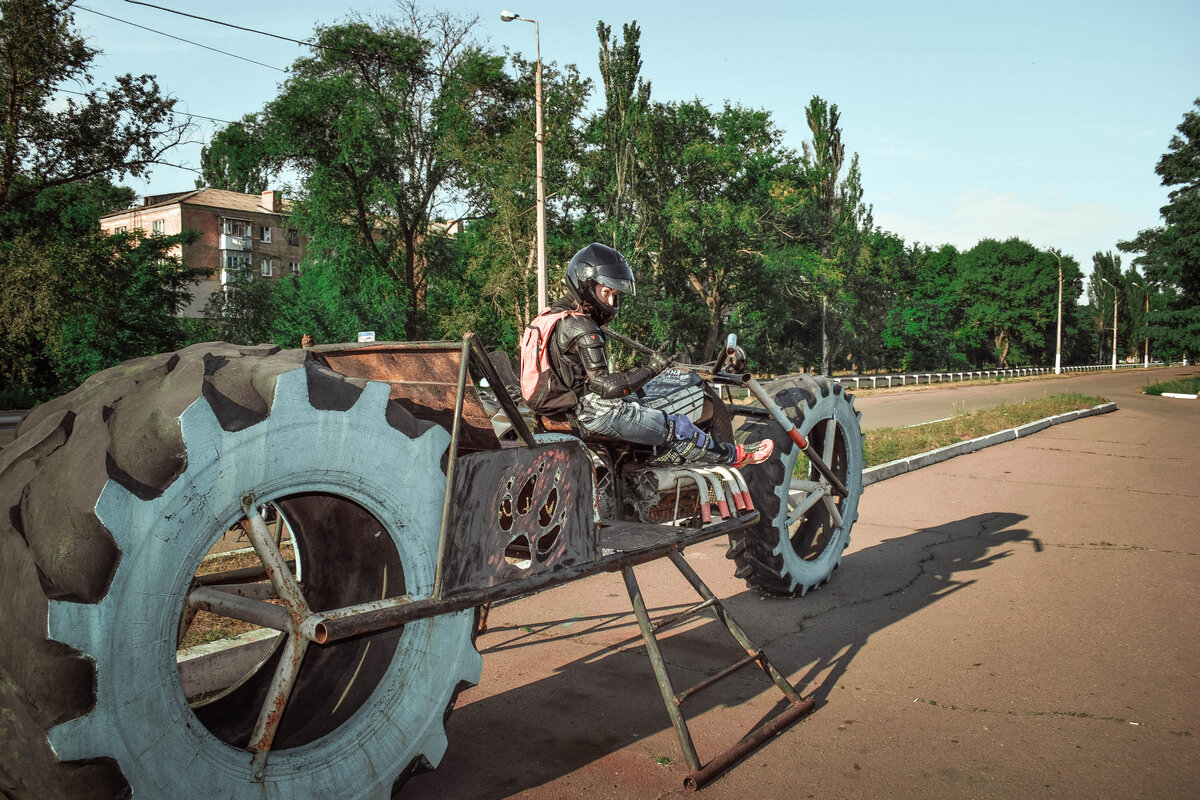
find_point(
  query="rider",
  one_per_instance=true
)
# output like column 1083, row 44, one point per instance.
column 651, row 405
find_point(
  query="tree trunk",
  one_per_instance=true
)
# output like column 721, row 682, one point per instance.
column 825, row 365
column 526, row 313
column 712, row 301
column 1002, row 344
column 411, row 273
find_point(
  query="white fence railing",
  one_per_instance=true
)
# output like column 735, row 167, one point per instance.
column 948, row 376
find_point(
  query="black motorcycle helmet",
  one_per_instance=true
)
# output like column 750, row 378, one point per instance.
column 599, row 264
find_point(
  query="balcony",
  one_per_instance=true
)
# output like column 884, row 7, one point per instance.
column 231, row 242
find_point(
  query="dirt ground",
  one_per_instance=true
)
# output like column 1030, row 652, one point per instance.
column 1019, row 622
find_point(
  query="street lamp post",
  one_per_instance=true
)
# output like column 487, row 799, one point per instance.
column 539, row 139
column 1058, row 346
column 1114, row 288
column 1144, row 288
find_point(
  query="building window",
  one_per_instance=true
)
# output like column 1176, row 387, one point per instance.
column 235, row 227
column 237, row 261
column 293, row 237
column 235, row 267
column 265, row 268
column 158, row 227
column 121, row 229
column 264, row 233
column 294, row 267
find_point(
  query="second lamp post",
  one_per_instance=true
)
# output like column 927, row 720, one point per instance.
column 509, row 16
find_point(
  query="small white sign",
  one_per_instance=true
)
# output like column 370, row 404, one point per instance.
column 366, row 336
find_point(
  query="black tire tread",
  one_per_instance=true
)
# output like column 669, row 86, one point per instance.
column 752, row 550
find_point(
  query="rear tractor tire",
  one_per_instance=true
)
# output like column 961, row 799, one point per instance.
column 804, row 527
column 110, row 498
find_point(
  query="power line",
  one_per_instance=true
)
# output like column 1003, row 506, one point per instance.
column 241, row 28
column 303, row 43
column 181, row 113
column 180, row 39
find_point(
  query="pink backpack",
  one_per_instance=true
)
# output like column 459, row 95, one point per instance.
column 541, row 390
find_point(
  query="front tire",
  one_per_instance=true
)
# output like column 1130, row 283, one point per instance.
column 804, row 528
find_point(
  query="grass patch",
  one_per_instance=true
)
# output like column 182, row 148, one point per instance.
column 1177, row 386
column 888, row 444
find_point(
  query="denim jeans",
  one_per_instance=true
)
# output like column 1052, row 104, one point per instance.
column 643, row 418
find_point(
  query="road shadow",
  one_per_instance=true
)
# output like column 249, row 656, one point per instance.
column 591, row 707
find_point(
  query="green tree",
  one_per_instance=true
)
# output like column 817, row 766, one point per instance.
column 838, row 218
column 70, row 309
column 236, row 159
column 1169, row 255
column 1010, row 295
column 617, row 135
column 489, row 281
column 713, row 173
column 101, row 132
column 923, row 327
column 71, row 300
column 243, row 312
column 1105, row 288
column 377, row 122
column 872, row 294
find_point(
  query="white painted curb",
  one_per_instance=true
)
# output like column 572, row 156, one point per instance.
column 912, row 463
column 1180, row 396
column 213, row 666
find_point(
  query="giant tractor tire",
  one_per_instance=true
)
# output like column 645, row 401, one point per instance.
column 109, row 499
column 804, row 526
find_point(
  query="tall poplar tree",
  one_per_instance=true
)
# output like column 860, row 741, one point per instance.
column 839, row 220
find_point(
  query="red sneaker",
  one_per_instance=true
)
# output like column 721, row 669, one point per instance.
column 754, row 453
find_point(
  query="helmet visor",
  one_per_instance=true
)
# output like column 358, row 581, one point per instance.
column 621, row 284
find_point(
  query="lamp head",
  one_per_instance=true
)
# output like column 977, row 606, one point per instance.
column 508, row 16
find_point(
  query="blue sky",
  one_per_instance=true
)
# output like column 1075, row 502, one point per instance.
column 1042, row 120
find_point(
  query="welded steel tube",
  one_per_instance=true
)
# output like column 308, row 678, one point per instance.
column 230, row 605
column 748, row 744
column 286, row 587
column 338, row 624
column 502, row 396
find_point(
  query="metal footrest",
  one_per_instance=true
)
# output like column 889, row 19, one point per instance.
column 673, row 700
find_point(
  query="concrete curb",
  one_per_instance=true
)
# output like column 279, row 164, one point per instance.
column 213, row 666
column 902, row 465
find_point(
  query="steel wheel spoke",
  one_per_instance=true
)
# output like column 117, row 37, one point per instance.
column 232, row 606
column 799, row 510
column 286, row 586
column 830, row 440
column 835, row 514
column 277, row 697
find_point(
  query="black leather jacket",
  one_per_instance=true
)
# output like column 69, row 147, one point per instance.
column 580, row 362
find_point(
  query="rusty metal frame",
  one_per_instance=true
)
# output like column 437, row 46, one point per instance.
column 797, row 706
column 451, row 463
column 379, row 614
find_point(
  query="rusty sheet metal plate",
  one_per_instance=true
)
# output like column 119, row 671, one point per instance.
column 542, row 497
column 424, row 380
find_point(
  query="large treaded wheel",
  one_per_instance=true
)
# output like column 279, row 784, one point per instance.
column 804, row 527
column 112, row 495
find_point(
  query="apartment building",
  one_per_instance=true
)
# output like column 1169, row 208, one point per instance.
column 241, row 236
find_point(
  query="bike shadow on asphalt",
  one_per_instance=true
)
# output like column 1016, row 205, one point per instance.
column 608, row 699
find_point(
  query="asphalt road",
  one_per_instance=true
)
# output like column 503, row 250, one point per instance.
column 1019, row 622
column 895, row 408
